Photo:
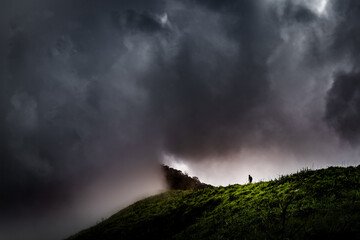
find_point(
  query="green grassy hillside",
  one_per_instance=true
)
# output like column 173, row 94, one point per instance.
column 321, row 204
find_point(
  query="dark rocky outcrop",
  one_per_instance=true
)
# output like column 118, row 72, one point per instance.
column 177, row 180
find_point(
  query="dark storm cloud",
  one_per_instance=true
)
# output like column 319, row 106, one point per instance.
column 217, row 94
column 205, row 96
column 346, row 36
column 298, row 14
column 131, row 20
column 343, row 106
column 92, row 87
column 60, row 105
column 343, row 98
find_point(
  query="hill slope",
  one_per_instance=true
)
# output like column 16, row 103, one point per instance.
column 306, row 205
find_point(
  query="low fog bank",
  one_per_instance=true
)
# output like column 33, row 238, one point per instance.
column 90, row 204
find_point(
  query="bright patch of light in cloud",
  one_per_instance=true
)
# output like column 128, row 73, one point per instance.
column 164, row 19
column 176, row 163
column 318, row 6
column 321, row 5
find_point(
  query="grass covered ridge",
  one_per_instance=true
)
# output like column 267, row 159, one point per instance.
column 320, row 204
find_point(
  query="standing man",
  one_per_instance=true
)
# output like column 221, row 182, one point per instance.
column 250, row 179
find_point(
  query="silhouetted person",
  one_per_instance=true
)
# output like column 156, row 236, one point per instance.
column 250, row 179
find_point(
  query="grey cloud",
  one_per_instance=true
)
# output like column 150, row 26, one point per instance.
column 346, row 36
column 343, row 106
column 131, row 20
column 92, row 87
column 342, row 102
column 298, row 13
column 206, row 94
column 67, row 111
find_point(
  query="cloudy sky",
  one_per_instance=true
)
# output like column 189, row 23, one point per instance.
column 95, row 94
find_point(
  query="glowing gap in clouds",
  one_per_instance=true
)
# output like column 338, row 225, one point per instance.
column 320, row 6
column 176, row 163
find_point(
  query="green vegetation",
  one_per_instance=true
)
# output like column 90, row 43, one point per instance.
column 321, row 204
